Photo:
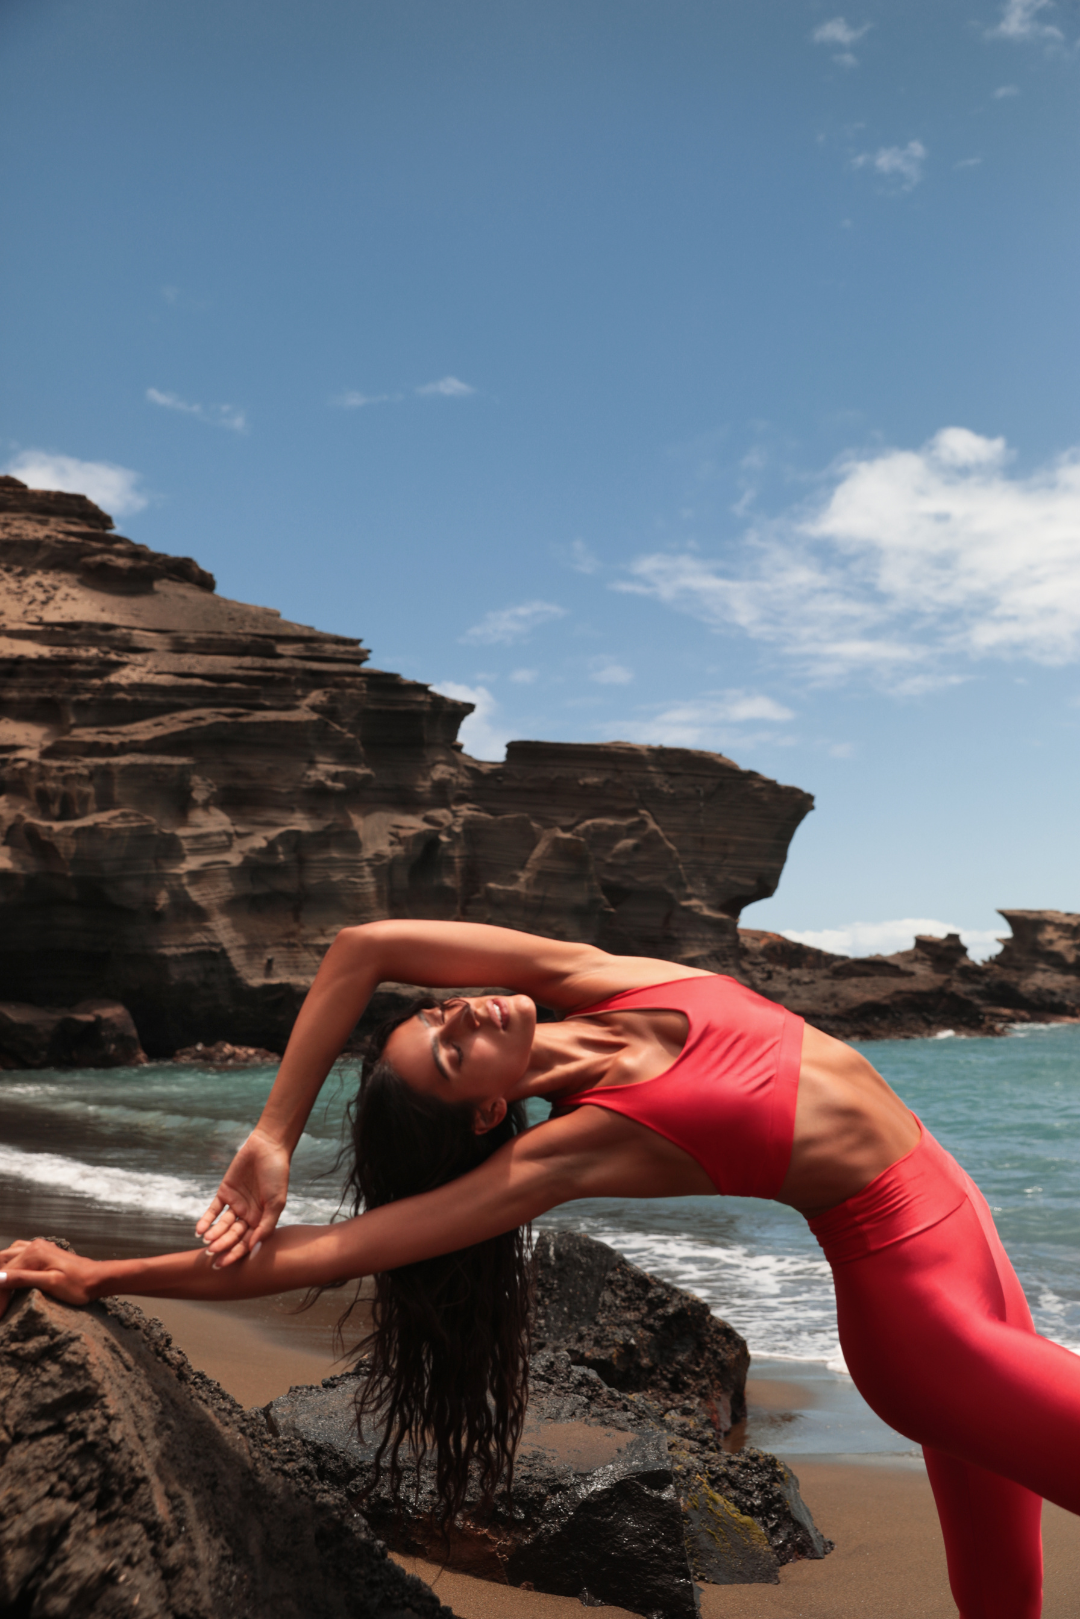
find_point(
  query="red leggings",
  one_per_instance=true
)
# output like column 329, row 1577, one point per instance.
column 939, row 1340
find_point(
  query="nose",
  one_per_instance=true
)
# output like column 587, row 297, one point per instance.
column 460, row 1010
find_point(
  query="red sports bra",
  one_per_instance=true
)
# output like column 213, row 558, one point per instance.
column 729, row 1097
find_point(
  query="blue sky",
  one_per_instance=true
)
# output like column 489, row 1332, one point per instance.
column 700, row 372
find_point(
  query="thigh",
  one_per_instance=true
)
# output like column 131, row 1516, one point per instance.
column 938, row 1339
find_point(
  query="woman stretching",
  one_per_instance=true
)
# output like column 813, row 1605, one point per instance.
column 666, row 1081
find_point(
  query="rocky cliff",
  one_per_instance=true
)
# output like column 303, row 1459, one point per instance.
column 195, row 794
column 933, row 986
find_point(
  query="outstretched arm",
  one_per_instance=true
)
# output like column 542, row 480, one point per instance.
column 512, row 1188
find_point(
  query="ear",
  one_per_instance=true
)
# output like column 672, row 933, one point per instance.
column 488, row 1115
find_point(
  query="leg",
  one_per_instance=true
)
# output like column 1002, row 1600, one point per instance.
column 938, row 1339
column 993, row 1539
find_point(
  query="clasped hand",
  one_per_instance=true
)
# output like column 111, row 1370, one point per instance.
column 249, row 1201
column 42, row 1264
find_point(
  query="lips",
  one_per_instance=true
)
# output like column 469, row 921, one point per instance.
column 499, row 1014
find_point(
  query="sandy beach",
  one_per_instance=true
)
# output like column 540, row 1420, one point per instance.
column 888, row 1563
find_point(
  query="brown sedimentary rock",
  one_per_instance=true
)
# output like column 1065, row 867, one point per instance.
column 134, row 1486
column 196, row 794
column 933, row 986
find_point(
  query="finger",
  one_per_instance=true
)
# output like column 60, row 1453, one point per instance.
column 228, row 1238
column 225, row 1219
column 11, row 1253
column 213, row 1210
column 264, row 1228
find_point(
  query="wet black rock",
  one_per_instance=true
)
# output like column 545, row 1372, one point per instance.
column 637, row 1332
column 134, row 1487
column 622, row 1491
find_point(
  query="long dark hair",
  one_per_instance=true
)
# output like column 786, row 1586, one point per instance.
column 448, row 1352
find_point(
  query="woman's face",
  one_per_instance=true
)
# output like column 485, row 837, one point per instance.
column 470, row 1048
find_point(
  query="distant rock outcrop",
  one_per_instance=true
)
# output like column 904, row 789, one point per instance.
column 931, row 987
column 196, row 794
column 133, row 1486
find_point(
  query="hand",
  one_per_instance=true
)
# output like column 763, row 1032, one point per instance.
column 248, row 1202
column 42, row 1264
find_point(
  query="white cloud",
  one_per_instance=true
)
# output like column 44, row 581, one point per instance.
column 706, row 721
column 838, row 32
column 885, row 938
column 115, row 489
column 915, row 559
column 352, row 400
column 609, row 673
column 1020, row 20
column 968, row 163
column 506, row 625
column 901, row 164
column 214, row 415
column 525, row 677
column 1004, row 90
column 481, row 734
column 448, row 387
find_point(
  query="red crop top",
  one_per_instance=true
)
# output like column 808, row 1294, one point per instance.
column 729, row 1097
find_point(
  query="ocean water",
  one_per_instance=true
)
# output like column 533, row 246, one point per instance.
column 142, row 1149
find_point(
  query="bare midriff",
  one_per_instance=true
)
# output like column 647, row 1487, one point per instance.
column 849, row 1126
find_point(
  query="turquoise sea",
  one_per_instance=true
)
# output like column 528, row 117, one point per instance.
column 126, row 1159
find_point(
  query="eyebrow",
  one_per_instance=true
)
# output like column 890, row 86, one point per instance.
column 435, row 1057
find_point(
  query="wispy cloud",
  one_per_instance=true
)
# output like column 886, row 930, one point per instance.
column 353, row 400
column 916, row 564
column 525, row 677
column 884, row 938
column 712, row 720
column 506, row 625
column 214, row 415
column 903, row 165
column 1005, row 90
column 447, row 387
column 482, row 733
column 115, row 489
column 968, row 163
column 1022, row 20
column 606, row 672
column 838, row 31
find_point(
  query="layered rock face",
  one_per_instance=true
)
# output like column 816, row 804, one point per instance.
column 931, row 987
column 196, row 794
column 135, row 1486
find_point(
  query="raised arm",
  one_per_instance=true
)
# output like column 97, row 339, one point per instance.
column 441, row 954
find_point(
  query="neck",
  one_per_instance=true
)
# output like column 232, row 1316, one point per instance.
column 568, row 1057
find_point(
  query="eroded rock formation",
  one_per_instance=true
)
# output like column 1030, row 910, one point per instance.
column 931, row 987
column 195, row 794
column 622, row 1490
column 134, row 1486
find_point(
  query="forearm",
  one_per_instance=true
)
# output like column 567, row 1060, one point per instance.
column 342, row 988
column 297, row 1256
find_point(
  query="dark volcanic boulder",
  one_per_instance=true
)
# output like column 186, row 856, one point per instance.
column 94, row 1034
column 635, row 1331
column 133, row 1486
column 622, row 1491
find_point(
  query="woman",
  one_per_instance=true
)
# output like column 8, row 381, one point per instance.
column 667, row 1080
